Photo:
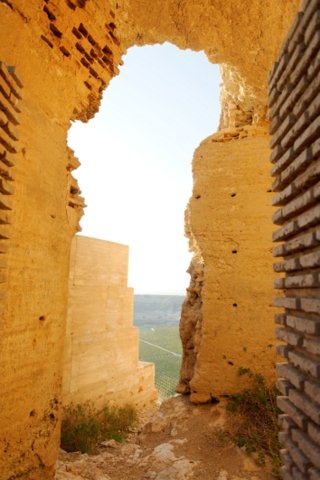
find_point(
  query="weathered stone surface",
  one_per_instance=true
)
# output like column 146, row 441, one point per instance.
column 101, row 347
column 65, row 53
column 294, row 101
column 224, row 211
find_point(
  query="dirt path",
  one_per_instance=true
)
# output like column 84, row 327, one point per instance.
column 181, row 441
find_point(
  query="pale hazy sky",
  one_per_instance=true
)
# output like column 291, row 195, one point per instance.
column 136, row 160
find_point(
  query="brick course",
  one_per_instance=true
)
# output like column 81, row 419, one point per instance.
column 295, row 126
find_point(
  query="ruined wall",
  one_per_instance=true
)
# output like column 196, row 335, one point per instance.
column 243, row 37
column 65, row 52
column 101, row 350
column 229, row 212
column 295, row 125
column 45, row 212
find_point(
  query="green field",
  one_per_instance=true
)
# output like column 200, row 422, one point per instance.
column 163, row 348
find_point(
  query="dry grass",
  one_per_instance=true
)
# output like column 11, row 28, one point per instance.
column 84, row 426
column 257, row 431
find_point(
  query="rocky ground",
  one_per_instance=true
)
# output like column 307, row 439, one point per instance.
column 180, row 441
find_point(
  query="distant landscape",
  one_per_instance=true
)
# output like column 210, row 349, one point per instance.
column 150, row 310
column 157, row 317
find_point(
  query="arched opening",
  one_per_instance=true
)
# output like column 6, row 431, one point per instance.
column 136, row 156
column 52, row 44
column 136, row 178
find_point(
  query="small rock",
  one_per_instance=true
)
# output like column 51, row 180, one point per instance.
column 110, row 443
column 223, row 475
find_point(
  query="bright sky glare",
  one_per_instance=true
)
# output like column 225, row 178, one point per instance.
column 136, row 159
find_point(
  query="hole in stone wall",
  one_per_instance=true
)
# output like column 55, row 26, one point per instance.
column 42, row 318
column 234, row 304
column 46, row 41
column 136, row 168
column 56, row 32
column 50, row 15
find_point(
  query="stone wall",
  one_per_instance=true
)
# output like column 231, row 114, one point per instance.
column 229, row 216
column 101, row 354
column 295, row 125
column 65, row 53
column 57, row 87
column 10, row 96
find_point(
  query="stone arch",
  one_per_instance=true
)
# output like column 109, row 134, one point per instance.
column 65, row 53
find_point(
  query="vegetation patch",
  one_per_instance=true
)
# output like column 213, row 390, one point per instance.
column 84, row 426
column 257, row 432
column 161, row 345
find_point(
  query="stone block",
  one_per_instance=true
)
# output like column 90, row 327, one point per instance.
column 286, row 423
column 91, row 269
column 298, row 165
column 285, row 232
column 312, row 346
column 310, row 260
column 309, row 280
column 288, row 265
column 309, row 54
column 283, row 350
column 287, row 157
column 313, row 431
column 296, row 53
column 290, row 409
column 282, row 130
column 283, row 386
column 288, row 371
column 312, row 389
column 313, row 26
column 311, row 305
column 308, row 134
column 307, row 447
column 276, row 153
column 298, row 458
column 308, row 101
column 306, row 364
column 293, row 97
column 300, row 203
column 304, row 324
column 289, row 336
column 309, row 218
column 307, row 406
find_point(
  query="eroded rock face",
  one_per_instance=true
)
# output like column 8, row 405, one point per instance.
column 244, row 37
column 191, row 324
column 229, row 216
column 65, row 53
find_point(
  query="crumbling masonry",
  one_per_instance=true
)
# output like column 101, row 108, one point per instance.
column 57, row 59
column 295, row 124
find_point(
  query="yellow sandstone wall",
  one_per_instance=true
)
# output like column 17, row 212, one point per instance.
column 65, row 52
column 44, row 216
column 101, row 353
column 229, row 216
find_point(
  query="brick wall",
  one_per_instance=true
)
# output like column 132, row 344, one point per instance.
column 10, row 87
column 295, row 126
